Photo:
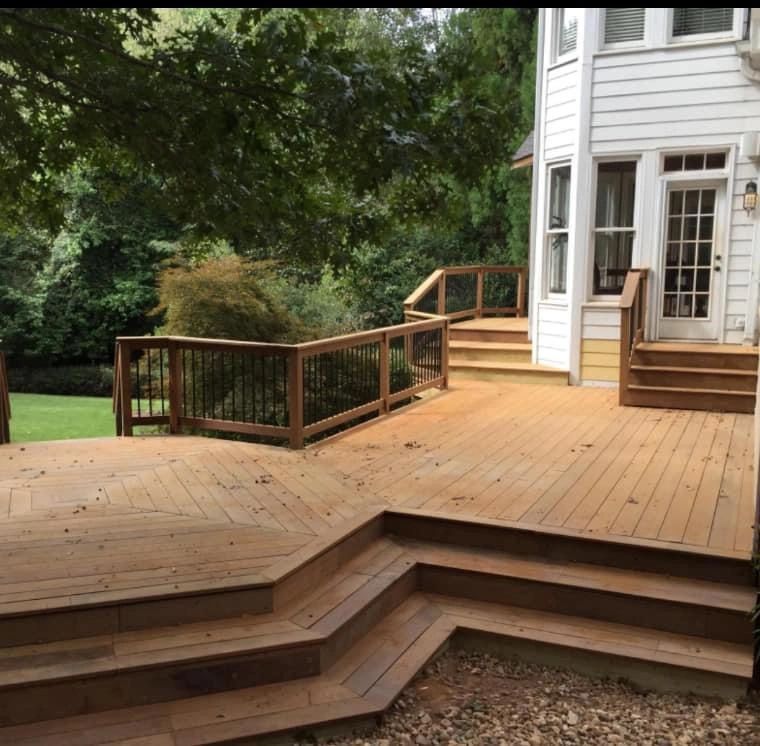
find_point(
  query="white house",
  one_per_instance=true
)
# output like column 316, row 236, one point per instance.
column 646, row 141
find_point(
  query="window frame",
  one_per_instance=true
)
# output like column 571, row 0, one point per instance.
column 615, row 158
column 734, row 33
column 635, row 44
column 548, row 231
column 558, row 15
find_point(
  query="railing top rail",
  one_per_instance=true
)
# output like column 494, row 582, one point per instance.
column 285, row 349
column 632, row 279
column 425, row 287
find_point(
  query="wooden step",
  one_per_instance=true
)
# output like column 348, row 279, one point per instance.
column 507, row 372
column 131, row 668
column 713, row 356
column 364, row 682
column 561, row 545
column 722, row 379
column 692, row 607
column 713, row 400
column 497, row 352
column 502, row 336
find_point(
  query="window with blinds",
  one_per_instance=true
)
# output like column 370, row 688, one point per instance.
column 624, row 25
column 567, row 31
column 695, row 21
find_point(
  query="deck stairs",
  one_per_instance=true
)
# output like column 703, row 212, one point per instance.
column 717, row 377
column 344, row 626
column 497, row 349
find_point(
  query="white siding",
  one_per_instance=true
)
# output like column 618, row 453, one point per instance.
column 684, row 98
column 601, row 323
column 553, row 335
column 560, row 111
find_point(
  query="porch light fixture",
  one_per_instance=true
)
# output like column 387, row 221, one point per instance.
column 750, row 197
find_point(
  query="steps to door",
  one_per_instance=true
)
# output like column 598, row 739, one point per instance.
column 494, row 349
column 712, row 377
column 357, row 618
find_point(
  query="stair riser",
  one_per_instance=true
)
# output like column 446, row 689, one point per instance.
column 489, row 356
column 507, row 376
column 696, row 360
column 566, row 548
column 693, row 380
column 51, row 626
column 492, row 335
column 31, row 703
column 687, row 400
column 658, row 614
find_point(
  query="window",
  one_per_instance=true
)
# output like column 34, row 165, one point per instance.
column 624, row 25
column 613, row 232
column 698, row 21
column 693, row 162
column 566, row 32
column 558, row 219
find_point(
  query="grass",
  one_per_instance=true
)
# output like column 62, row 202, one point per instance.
column 43, row 417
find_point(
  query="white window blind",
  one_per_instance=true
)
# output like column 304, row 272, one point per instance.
column 624, row 24
column 567, row 39
column 692, row 21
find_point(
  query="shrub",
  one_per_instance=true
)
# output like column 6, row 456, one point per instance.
column 70, row 380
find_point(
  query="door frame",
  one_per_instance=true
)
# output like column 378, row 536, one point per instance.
column 722, row 183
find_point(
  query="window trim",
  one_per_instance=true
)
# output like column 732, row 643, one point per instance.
column 622, row 45
column 557, row 58
column 735, row 33
column 549, row 294
column 615, row 158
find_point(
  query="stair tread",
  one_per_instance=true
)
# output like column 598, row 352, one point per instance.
column 681, row 390
column 380, row 664
column 455, row 344
column 491, row 365
column 698, row 348
column 307, row 621
column 598, row 577
column 698, row 371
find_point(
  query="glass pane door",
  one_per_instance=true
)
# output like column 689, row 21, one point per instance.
column 690, row 239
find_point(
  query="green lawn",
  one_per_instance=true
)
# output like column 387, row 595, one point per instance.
column 43, row 417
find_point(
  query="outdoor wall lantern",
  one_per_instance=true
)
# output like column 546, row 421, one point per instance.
column 750, row 197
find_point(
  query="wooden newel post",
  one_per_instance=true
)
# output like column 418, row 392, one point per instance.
column 445, row 354
column 625, row 352
column 125, row 387
column 295, row 398
column 442, row 295
column 479, row 293
column 521, row 292
column 175, row 387
column 385, row 374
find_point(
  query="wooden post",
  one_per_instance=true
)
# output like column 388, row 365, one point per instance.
column 5, row 403
column 175, row 387
column 125, row 388
column 521, row 292
column 295, row 398
column 445, row 354
column 479, row 293
column 625, row 341
column 385, row 373
column 442, row 295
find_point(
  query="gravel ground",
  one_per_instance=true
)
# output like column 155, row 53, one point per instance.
column 470, row 698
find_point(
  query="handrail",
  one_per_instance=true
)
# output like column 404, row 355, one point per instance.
column 465, row 291
column 5, row 403
column 633, row 323
column 279, row 391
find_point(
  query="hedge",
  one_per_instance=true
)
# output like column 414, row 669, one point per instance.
column 72, row 380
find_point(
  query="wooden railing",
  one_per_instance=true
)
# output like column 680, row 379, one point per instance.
column 462, row 292
column 633, row 323
column 5, row 403
column 285, row 392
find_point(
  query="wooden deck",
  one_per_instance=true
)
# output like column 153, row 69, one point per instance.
column 184, row 590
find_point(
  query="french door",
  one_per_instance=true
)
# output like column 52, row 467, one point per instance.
column 690, row 285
